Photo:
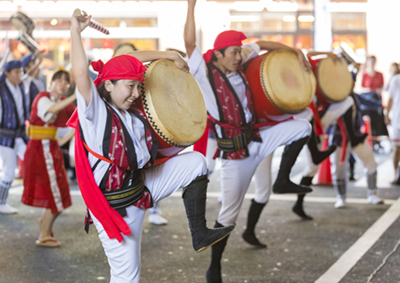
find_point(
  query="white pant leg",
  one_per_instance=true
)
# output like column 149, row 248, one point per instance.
column 334, row 111
column 211, row 149
column 263, row 180
column 364, row 152
column 236, row 174
column 235, row 179
column 339, row 171
column 124, row 257
column 282, row 134
column 20, row 147
column 161, row 180
column 8, row 157
column 306, row 114
column 311, row 168
column 179, row 171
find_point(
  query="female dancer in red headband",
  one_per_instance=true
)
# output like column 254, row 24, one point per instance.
column 116, row 177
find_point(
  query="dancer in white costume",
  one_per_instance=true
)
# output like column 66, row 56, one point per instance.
column 14, row 111
column 240, row 153
column 108, row 131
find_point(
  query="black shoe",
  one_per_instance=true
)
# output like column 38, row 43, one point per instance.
column 298, row 206
column 213, row 274
column 251, row 238
column 298, row 209
column 286, row 186
column 252, row 219
column 283, row 185
column 194, row 198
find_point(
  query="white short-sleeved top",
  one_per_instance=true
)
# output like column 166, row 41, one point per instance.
column 198, row 69
column 43, row 107
column 394, row 93
column 93, row 117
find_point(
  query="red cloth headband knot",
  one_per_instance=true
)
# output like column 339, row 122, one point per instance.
column 97, row 66
column 225, row 39
column 122, row 67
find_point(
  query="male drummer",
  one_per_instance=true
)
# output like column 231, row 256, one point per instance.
column 229, row 103
column 357, row 144
column 31, row 78
column 14, row 110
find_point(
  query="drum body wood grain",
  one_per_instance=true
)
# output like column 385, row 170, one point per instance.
column 173, row 105
column 279, row 84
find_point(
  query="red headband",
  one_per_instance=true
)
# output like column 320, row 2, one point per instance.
column 225, row 39
column 122, row 67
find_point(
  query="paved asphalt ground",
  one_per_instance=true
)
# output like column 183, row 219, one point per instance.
column 298, row 251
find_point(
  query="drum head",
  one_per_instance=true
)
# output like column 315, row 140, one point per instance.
column 22, row 22
column 288, row 86
column 123, row 49
column 173, row 104
column 334, row 79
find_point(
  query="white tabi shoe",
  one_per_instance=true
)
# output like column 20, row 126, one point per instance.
column 340, row 203
column 374, row 199
column 156, row 219
column 7, row 209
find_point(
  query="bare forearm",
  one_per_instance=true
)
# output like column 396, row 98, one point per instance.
column 271, row 45
column 190, row 29
column 147, row 56
column 56, row 107
column 316, row 53
column 64, row 140
column 33, row 72
column 79, row 64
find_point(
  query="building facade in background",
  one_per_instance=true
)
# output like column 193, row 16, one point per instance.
column 306, row 24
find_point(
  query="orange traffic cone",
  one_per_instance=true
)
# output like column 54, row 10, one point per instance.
column 324, row 169
column 367, row 128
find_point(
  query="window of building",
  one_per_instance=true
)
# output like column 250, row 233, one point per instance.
column 349, row 21
column 146, row 22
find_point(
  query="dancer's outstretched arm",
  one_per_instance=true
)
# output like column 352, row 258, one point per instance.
column 150, row 55
column 271, row 45
column 78, row 58
column 190, row 29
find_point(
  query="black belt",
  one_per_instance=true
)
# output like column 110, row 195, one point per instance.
column 235, row 143
column 17, row 133
column 131, row 191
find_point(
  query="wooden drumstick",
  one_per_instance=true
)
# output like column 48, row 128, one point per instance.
column 93, row 24
column 6, row 52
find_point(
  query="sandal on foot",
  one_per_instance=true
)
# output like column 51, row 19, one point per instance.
column 50, row 243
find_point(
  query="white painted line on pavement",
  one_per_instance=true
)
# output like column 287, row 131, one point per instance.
column 17, row 190
column 350, row 257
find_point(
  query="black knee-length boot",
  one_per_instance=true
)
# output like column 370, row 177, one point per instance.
column 194, row 197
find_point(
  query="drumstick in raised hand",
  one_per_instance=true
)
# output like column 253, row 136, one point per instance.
column 93, row 24
column 6, row 52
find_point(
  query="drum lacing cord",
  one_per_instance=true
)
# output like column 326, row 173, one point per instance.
column 383, row 262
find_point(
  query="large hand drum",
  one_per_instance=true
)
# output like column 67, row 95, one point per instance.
column 335, row 82
column 279, row 84
column 174, row 107
column 22, row 22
